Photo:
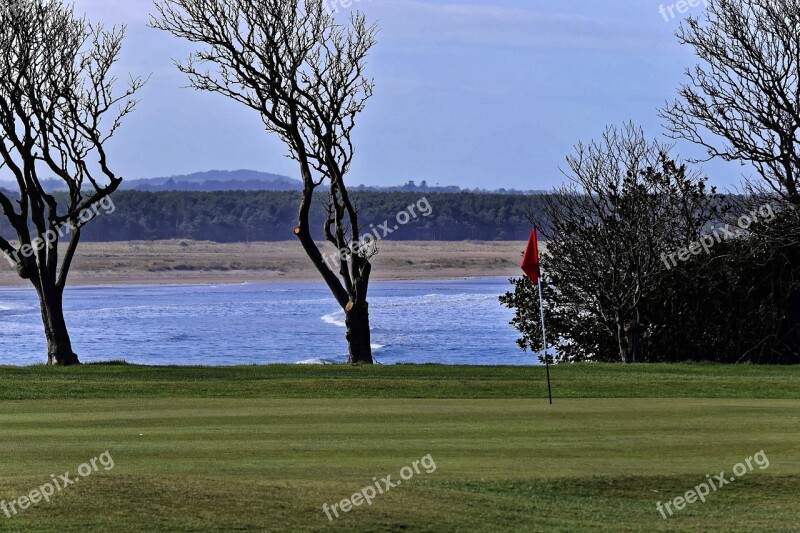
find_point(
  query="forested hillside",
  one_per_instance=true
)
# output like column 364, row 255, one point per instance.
column 240, row 216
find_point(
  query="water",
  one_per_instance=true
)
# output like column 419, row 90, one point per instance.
column 448, row 322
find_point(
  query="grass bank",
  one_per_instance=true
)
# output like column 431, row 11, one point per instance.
column 399, row 381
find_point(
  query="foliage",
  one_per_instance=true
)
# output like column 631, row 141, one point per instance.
column 738, row 303
column 626, row 203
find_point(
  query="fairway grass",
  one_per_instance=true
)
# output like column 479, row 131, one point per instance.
column 263, row 448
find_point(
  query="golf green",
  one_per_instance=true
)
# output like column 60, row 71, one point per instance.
column 221, row 454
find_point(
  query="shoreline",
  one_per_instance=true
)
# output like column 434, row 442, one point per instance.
column 210, row 281
column 204, row 263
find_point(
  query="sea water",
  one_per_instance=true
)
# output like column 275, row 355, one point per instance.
column 448, row 322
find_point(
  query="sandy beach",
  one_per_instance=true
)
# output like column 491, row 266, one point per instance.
column 192, row 262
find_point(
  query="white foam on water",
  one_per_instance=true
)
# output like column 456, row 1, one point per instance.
column 336, row 319
column 13, row 307
column 316, row 361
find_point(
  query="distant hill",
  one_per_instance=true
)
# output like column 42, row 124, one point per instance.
column 210, row 181
column 217, row 180
column 252, row 180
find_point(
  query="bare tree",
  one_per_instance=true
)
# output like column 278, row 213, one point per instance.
column 57, row 111
column 625, row 207
column 743, row 103
column 304, row 74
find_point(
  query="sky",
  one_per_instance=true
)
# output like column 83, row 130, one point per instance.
column 474, row 93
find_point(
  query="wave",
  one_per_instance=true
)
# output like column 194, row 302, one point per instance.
column 437, row 299
column 14, row 307
column 316, row 361
column 336, row 319
column 376, row 346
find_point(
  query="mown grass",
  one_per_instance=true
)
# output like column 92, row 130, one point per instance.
column 399, row 381
column 263, row 448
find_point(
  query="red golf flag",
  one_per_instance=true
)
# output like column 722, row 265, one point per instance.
column 530, row 261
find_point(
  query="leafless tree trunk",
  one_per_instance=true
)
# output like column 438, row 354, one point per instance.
column 57, row 110
column 621, row 338
column 304, row 74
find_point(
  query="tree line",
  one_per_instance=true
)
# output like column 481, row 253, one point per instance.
column 251, row 216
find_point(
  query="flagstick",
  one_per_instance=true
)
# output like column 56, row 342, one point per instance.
column 544, row 341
